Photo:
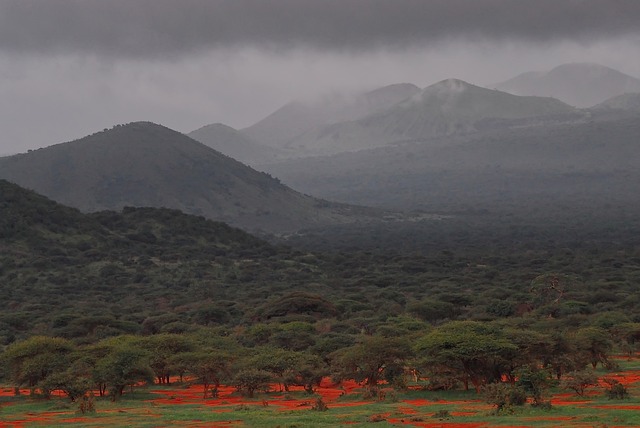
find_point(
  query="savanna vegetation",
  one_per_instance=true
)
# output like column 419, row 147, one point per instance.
column 507, row 311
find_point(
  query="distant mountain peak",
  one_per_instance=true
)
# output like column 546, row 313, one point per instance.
column 581, row 84
column 452, row 84
column 296, row 118
column 448, row 88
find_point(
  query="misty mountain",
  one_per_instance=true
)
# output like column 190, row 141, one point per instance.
column 562, row 169
column 232, row 143
column 630, row 102
column 449, row 107
column 578, row 84
column 298, row 117
column 144, row 164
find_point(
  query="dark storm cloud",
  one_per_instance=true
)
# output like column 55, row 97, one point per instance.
column 151, row 28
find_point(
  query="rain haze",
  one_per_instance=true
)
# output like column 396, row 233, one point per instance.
column 70, row 68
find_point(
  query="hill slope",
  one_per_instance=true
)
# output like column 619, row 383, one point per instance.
column 144, row 164
column 232, row 143
column 578, row 84
column 564, row 169
column 73, row 274
column 445, row 108
column 298, row 117
column 628, row 102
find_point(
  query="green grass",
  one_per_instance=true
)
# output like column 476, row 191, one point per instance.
column 136, row 410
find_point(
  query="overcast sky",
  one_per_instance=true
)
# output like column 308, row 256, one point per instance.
column 69, row 68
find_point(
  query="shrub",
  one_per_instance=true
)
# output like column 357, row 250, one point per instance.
column 320, row 405
column 579, row 380
column 615, row 390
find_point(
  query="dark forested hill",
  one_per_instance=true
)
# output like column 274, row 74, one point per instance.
column 144, row 164
column 78, row 272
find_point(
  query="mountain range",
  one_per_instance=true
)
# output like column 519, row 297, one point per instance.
column 578, row 84
column 144, row 164
column 566, row 168
column 449, row 145
column 446, row 108
column 296, row 118
column 404, row 112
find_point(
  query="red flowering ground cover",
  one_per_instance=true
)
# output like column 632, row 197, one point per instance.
column 409, row 412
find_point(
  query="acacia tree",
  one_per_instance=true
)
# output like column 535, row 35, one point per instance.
column 248, row 381
column 33, row 360
column 579, row 381
column 373, row 359
column 536, row 382
column 595, row 343
column 161, row 348
column 121, row 367
column 209, row 367
column 477, row 352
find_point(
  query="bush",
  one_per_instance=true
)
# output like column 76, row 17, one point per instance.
column 615, row 390
column 320, row 405
column 503, row 396
column 442, row 414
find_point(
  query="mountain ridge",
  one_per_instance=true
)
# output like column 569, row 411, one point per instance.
column 448, row 107
column 297, row 117
column 234, row 144
column 579, row 84
column 144, row 164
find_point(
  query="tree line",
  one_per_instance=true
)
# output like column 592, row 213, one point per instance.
column 454, row 355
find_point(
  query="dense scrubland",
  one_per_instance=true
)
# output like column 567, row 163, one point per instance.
column 502, row 306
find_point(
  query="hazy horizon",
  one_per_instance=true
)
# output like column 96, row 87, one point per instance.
column 69, row 69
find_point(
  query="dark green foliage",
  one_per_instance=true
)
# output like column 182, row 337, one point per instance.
column 32, row 362
column 615, row 390
column 535, row 382
column 211, row 302
column 371, row 360
column 471, row 351
column 249, row 381
column 503, row 396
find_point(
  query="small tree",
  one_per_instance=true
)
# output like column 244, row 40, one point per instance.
column 579, row 381
column 209, row 367
column 615, row 390
column 122, row 367
column 536, row 382
column 373, row 359
column 247, row 382
column 503, row 396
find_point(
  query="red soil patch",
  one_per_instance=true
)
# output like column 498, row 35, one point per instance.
column 193, row 394
column 9, row 392
column 438, row 424
column 626, row 378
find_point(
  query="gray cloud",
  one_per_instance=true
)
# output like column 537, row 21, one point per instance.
column 157, row 28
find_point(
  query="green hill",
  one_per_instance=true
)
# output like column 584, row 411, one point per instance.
column 144, row 164
column 76, row 274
